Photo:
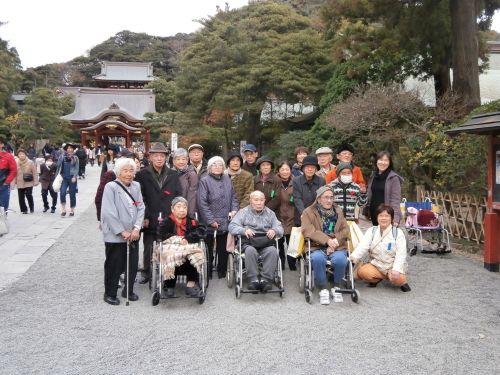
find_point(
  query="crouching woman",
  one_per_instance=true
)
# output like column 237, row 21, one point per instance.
column 385, row 245
column 122, row 215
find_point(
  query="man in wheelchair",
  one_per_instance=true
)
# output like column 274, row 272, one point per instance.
column 323, row 223
column 258, row 227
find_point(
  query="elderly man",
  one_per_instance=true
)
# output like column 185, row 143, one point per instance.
column 250, row 153
column 325, row 157
column 345, row 154
column 196, row 159
column 251, row 222
column 159, row 186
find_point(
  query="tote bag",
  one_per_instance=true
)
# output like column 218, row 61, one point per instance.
column 296, row 244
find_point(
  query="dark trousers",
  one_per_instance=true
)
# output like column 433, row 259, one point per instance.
column 53, row 195
column 28, row 193
column 185, row 269
column 221, row 252
column 81, row 168
column 148, row 240
column 116, row 262
column 291, row 260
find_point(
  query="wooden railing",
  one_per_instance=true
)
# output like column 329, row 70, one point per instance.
column 463, row 214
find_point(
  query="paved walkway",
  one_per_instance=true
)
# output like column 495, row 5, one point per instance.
column 30, row 236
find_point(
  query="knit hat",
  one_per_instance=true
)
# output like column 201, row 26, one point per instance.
column 179, row 152
column 321, row 190
column 310, row 160
column 232, row 155
column 179, row 199
column 195, row 145
column 213, row 160
column 263, row 159
column 343, row 166
column 324, row 150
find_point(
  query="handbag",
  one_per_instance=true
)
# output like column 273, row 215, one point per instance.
column 296, row 243
column 28, row 177
column 56, row 184
column 259, row 241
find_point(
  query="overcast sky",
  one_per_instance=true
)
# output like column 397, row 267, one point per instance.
column 56, row 31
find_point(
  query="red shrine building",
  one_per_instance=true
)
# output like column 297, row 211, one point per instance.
column 116, row 108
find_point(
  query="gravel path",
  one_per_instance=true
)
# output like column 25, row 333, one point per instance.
column 55, row 322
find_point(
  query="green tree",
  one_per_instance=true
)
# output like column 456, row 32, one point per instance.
column 243, row 57
column 165, row 94
column 10, row 76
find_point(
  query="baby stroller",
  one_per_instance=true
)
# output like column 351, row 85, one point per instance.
column 422, row 220
column 157, row 278
column 236, row 271
column 306, row 278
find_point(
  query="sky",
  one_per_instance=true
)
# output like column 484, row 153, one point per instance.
column 56, row 31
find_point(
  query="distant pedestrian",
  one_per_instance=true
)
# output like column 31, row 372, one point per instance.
column 91, row 155
column 31, row 152
column 27, row 177
column 108, row 160
column 48, row 172
column 81, row 154
column 68, row 166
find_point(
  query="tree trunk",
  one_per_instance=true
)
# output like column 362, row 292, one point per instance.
column 252, row 130
column 465, row 51
column 442, row 81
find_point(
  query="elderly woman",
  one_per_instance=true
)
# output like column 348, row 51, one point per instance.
column 217, row 204
column 385, row 244
column 68, row 166
column 324, row 224
column 187, row 178
column 181, row 252
column 122, row 215
column 249, row 222
column 26, row 178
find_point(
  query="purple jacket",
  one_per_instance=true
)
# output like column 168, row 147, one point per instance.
column 392, row 193
column 216, row 198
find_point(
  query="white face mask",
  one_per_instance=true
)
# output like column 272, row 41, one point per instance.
column 49, row 163
column 346, row 179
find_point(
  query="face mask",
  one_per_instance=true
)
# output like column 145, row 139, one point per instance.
column 346, row 179
column 49, row 163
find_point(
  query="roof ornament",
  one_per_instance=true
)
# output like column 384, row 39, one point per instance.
column 114, row 106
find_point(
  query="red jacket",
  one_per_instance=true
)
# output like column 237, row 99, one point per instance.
column 8, row 168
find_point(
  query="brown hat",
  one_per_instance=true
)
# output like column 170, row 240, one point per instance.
column 158, row 147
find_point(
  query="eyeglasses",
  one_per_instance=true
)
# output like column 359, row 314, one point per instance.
column 328, row 198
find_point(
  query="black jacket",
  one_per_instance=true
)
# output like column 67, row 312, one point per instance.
column 194, row 230
column 158, row 198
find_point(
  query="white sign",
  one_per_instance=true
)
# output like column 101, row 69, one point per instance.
column 173, row 142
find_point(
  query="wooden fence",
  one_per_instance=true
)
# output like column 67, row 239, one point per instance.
column 463, row 214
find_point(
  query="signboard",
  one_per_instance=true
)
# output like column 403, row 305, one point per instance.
column 173, row 142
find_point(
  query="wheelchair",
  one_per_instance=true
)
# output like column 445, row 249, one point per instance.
column 157, row 278
column 236, row 271
column 306, row 276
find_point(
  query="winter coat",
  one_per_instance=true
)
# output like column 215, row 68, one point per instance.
column 73, row 168
column 312, row 228
column 347, row 197
column 31, row 152
column 357, row 176
column 250, row 168
column 8, row 168
column 259, row 222
column 286, row 211
column 29, row 167
column 323, row 172
column 201, row 171
column 105, row 178
column 386, row 252
column 158, row 196
column 47, row 175
column 216, row 198
column 271, row 189
column 189, row 187
column 392, row 193
column 243, row 185
column 168, row 229
column 119, row 213
column 297, row 170
column 304, row 194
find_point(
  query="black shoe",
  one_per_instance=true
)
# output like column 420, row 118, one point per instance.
column 193, row 291
column 131, row 295
column 170, row 292
column 25, row 212
column 405, row 288
column 111, row 300
column 45, row 209
column 254, row 285
column 144, row 280
column 292, row 266
column 373, row 285
column 222, row 275
column 266, row 286
column 71, row 214
column 32, row 211
column 52, row 210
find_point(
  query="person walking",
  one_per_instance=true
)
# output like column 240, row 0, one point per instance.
column 91, row 156
column 108, row 160
column 26, row 178
column 48, row 171
column 8, row 172
column 68, row 167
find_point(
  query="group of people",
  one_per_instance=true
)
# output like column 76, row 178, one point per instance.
column 249, row 196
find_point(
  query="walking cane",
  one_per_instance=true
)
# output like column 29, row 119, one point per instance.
column 129, row 243
column 214, row 253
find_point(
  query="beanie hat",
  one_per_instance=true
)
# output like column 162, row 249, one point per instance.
column 343, row 166
column 179, row 199
column 321, row 190
column 179, row 152
column 213, row 160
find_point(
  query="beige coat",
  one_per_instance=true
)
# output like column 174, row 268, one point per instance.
column 29, row 167
column 312, row 228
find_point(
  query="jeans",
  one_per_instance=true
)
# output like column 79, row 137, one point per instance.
column 28, row 193
column 53, row 195
column 72, row 192
column 318, row 262
column 4, row 196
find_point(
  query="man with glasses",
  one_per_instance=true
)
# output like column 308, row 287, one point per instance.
column 345, row 154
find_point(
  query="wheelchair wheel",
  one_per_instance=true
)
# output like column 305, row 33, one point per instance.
column 355, row 296
column 308, row 295
column 230, row 270
column 302, row 276
column 413, row 251
column 155, row 298
column 201, row 299
column 153, row 280
column 237, row 291
column 281, row 294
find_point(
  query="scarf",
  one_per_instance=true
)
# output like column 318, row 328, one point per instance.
column 24, row 165
column 233, row 174
column 383, row 175
column 183, row 170
column 328, row 217
column 180, row 226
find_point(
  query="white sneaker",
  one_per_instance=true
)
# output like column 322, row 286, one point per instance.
column 337, row 297
column 324, row 297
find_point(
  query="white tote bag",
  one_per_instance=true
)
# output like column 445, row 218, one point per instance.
column 56, row 185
